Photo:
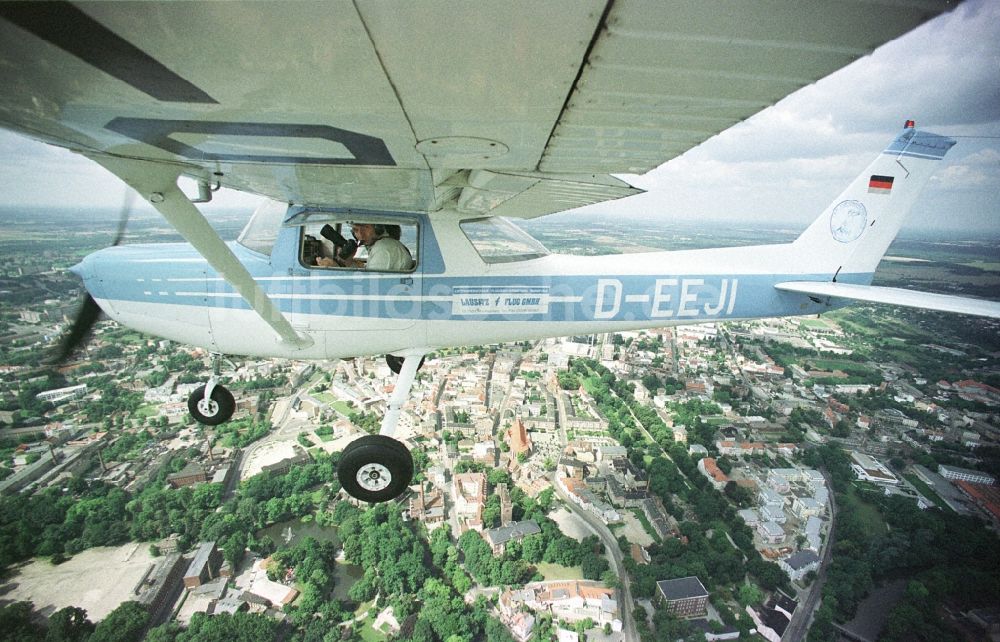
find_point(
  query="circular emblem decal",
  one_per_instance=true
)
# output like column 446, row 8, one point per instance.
column 847, row 222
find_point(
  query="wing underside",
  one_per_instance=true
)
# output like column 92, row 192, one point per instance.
column 520, row 108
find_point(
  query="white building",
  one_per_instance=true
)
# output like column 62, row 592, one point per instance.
column 813, row 539
column 796, row 566
column 966, row 474
column 771, row 532
column 805, row 507
column 770, row 497
column 62, row 395
column 771, row 514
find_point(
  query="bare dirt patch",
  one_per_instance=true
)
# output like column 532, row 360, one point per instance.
column 97, row 580
column 571, row 525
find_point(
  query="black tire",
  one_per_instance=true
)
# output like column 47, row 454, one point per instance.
column 375, row 469
column 219, row 409
column 396, row 363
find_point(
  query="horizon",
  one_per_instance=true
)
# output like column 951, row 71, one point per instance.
column 571, row 219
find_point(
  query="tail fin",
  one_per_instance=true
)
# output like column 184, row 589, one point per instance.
column 849, row 239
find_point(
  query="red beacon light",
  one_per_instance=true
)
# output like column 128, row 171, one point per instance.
column 910, row 124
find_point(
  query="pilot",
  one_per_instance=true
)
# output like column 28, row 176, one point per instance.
column 384, row 252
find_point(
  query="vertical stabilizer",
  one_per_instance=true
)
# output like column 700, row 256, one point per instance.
column 849, row 239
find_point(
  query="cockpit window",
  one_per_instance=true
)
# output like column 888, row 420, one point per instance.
column 352, row 242
column 261, row 230
column 499, row 241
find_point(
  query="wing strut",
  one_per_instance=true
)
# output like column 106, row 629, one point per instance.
column 158, row 184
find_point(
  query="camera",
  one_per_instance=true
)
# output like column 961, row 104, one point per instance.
column 344, row 248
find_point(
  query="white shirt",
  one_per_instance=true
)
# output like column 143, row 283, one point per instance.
column 389, row 254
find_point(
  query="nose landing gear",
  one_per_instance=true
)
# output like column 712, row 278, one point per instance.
column 211, row 404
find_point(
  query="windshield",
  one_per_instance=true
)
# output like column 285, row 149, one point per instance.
column 499, row 241
column 262, row 229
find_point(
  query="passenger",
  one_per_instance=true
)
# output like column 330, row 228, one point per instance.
column 384, row 251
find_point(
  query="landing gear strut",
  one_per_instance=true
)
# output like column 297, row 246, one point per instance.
column 378, row 468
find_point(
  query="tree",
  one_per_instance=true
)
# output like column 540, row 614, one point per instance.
column 17, row 625
column 124, row 624
column 594, row 566
column 69, row 624
column 750, row 594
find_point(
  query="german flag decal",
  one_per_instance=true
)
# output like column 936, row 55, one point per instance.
column 880, row 184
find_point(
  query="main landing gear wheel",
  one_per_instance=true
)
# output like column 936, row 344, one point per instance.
column 375, row 468
column 217, row 409
column 396, row 363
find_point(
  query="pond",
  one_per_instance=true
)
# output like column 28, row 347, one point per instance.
column 291, row 532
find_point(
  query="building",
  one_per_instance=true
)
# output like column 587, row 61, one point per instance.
column 684, row 597
column 984, row 496
column 470, row 497
column 187, row 476
column 427, row 506
column 569, row 600
column 497, row 538
column 867, row 468
column 771, row 532
column 299, row 457
column 518, row 439
column 966, row 474
column 204, row 566
column 159, row 587
column 770, row 497
column 710, row 469
column 652, row 508
column 773, row 618
column 813, row 538
column 62, row 395
column 798, row 565
column 750, row 517
column 521, row 626
column 806, row 507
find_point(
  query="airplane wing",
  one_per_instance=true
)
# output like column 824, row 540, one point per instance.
column 894, row 296
column 518, row 108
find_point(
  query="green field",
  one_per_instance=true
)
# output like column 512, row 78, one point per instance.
column 146, row 410
column 814, row 324
column 559, row 572
column 342, row 407
column 870, row 517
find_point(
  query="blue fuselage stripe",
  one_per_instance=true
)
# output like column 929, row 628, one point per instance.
column 127, row 276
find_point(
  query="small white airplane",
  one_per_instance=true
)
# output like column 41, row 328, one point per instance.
column 417, row 127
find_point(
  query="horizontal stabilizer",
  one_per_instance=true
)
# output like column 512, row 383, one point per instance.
column 894, row 296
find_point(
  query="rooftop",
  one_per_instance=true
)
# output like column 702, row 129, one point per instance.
column 682, row 588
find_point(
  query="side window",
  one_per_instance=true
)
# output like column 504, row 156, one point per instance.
column 378, row 245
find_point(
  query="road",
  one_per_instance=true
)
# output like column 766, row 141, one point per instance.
column 285, row 427
column 625, row 604
column 803, row 616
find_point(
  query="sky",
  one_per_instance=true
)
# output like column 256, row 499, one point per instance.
column 784, row 165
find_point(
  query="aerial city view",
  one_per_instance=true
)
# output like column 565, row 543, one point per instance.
column 748, row 480
column 561, row 321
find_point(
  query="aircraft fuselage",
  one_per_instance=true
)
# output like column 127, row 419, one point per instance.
column 451, row 298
